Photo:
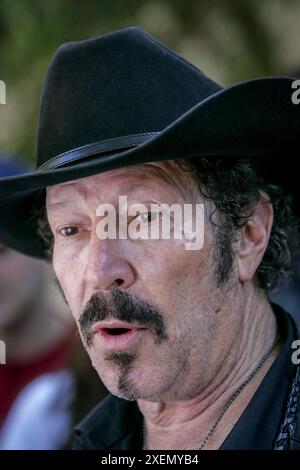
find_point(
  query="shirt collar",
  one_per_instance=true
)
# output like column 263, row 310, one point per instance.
column 114, row 424
column 259, row 424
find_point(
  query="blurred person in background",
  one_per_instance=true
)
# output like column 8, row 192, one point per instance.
column 46, row 375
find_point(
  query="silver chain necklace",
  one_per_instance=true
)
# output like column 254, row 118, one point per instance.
column 231, row 399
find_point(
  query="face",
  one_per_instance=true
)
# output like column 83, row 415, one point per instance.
column 20, row 278
column 150, row 315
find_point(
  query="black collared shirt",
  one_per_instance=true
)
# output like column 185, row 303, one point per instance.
column 116, row 424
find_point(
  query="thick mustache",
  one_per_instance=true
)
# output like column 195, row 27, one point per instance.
column 119, row 305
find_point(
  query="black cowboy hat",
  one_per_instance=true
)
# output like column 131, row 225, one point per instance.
column 124, row 98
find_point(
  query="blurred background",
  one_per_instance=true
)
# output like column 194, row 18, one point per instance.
column 230, row 41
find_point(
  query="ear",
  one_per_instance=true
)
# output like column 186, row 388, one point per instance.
column 254, row 239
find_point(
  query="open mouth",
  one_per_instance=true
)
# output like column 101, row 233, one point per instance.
column 115, row 336
column 116, row 331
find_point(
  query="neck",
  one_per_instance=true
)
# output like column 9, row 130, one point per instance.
column 186, row 424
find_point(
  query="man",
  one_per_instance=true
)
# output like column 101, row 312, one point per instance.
column 186, row 341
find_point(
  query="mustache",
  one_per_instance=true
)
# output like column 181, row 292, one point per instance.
column 122, row 306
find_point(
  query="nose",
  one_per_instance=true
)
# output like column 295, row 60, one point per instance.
column 106, row 266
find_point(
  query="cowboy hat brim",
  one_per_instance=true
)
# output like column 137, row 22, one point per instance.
column 256, row 119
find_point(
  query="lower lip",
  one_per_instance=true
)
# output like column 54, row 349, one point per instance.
column 119, row 342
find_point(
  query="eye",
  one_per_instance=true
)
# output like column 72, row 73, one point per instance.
column 148, row 216
column 68, row 231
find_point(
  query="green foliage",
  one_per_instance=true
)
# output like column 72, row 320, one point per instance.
column 230, row 40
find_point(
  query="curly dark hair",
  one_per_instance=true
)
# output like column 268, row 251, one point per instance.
column 234, row 187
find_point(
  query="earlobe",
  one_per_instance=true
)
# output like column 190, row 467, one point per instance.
column 254, row 239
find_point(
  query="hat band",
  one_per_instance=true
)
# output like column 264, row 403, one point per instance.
column 108, row 145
